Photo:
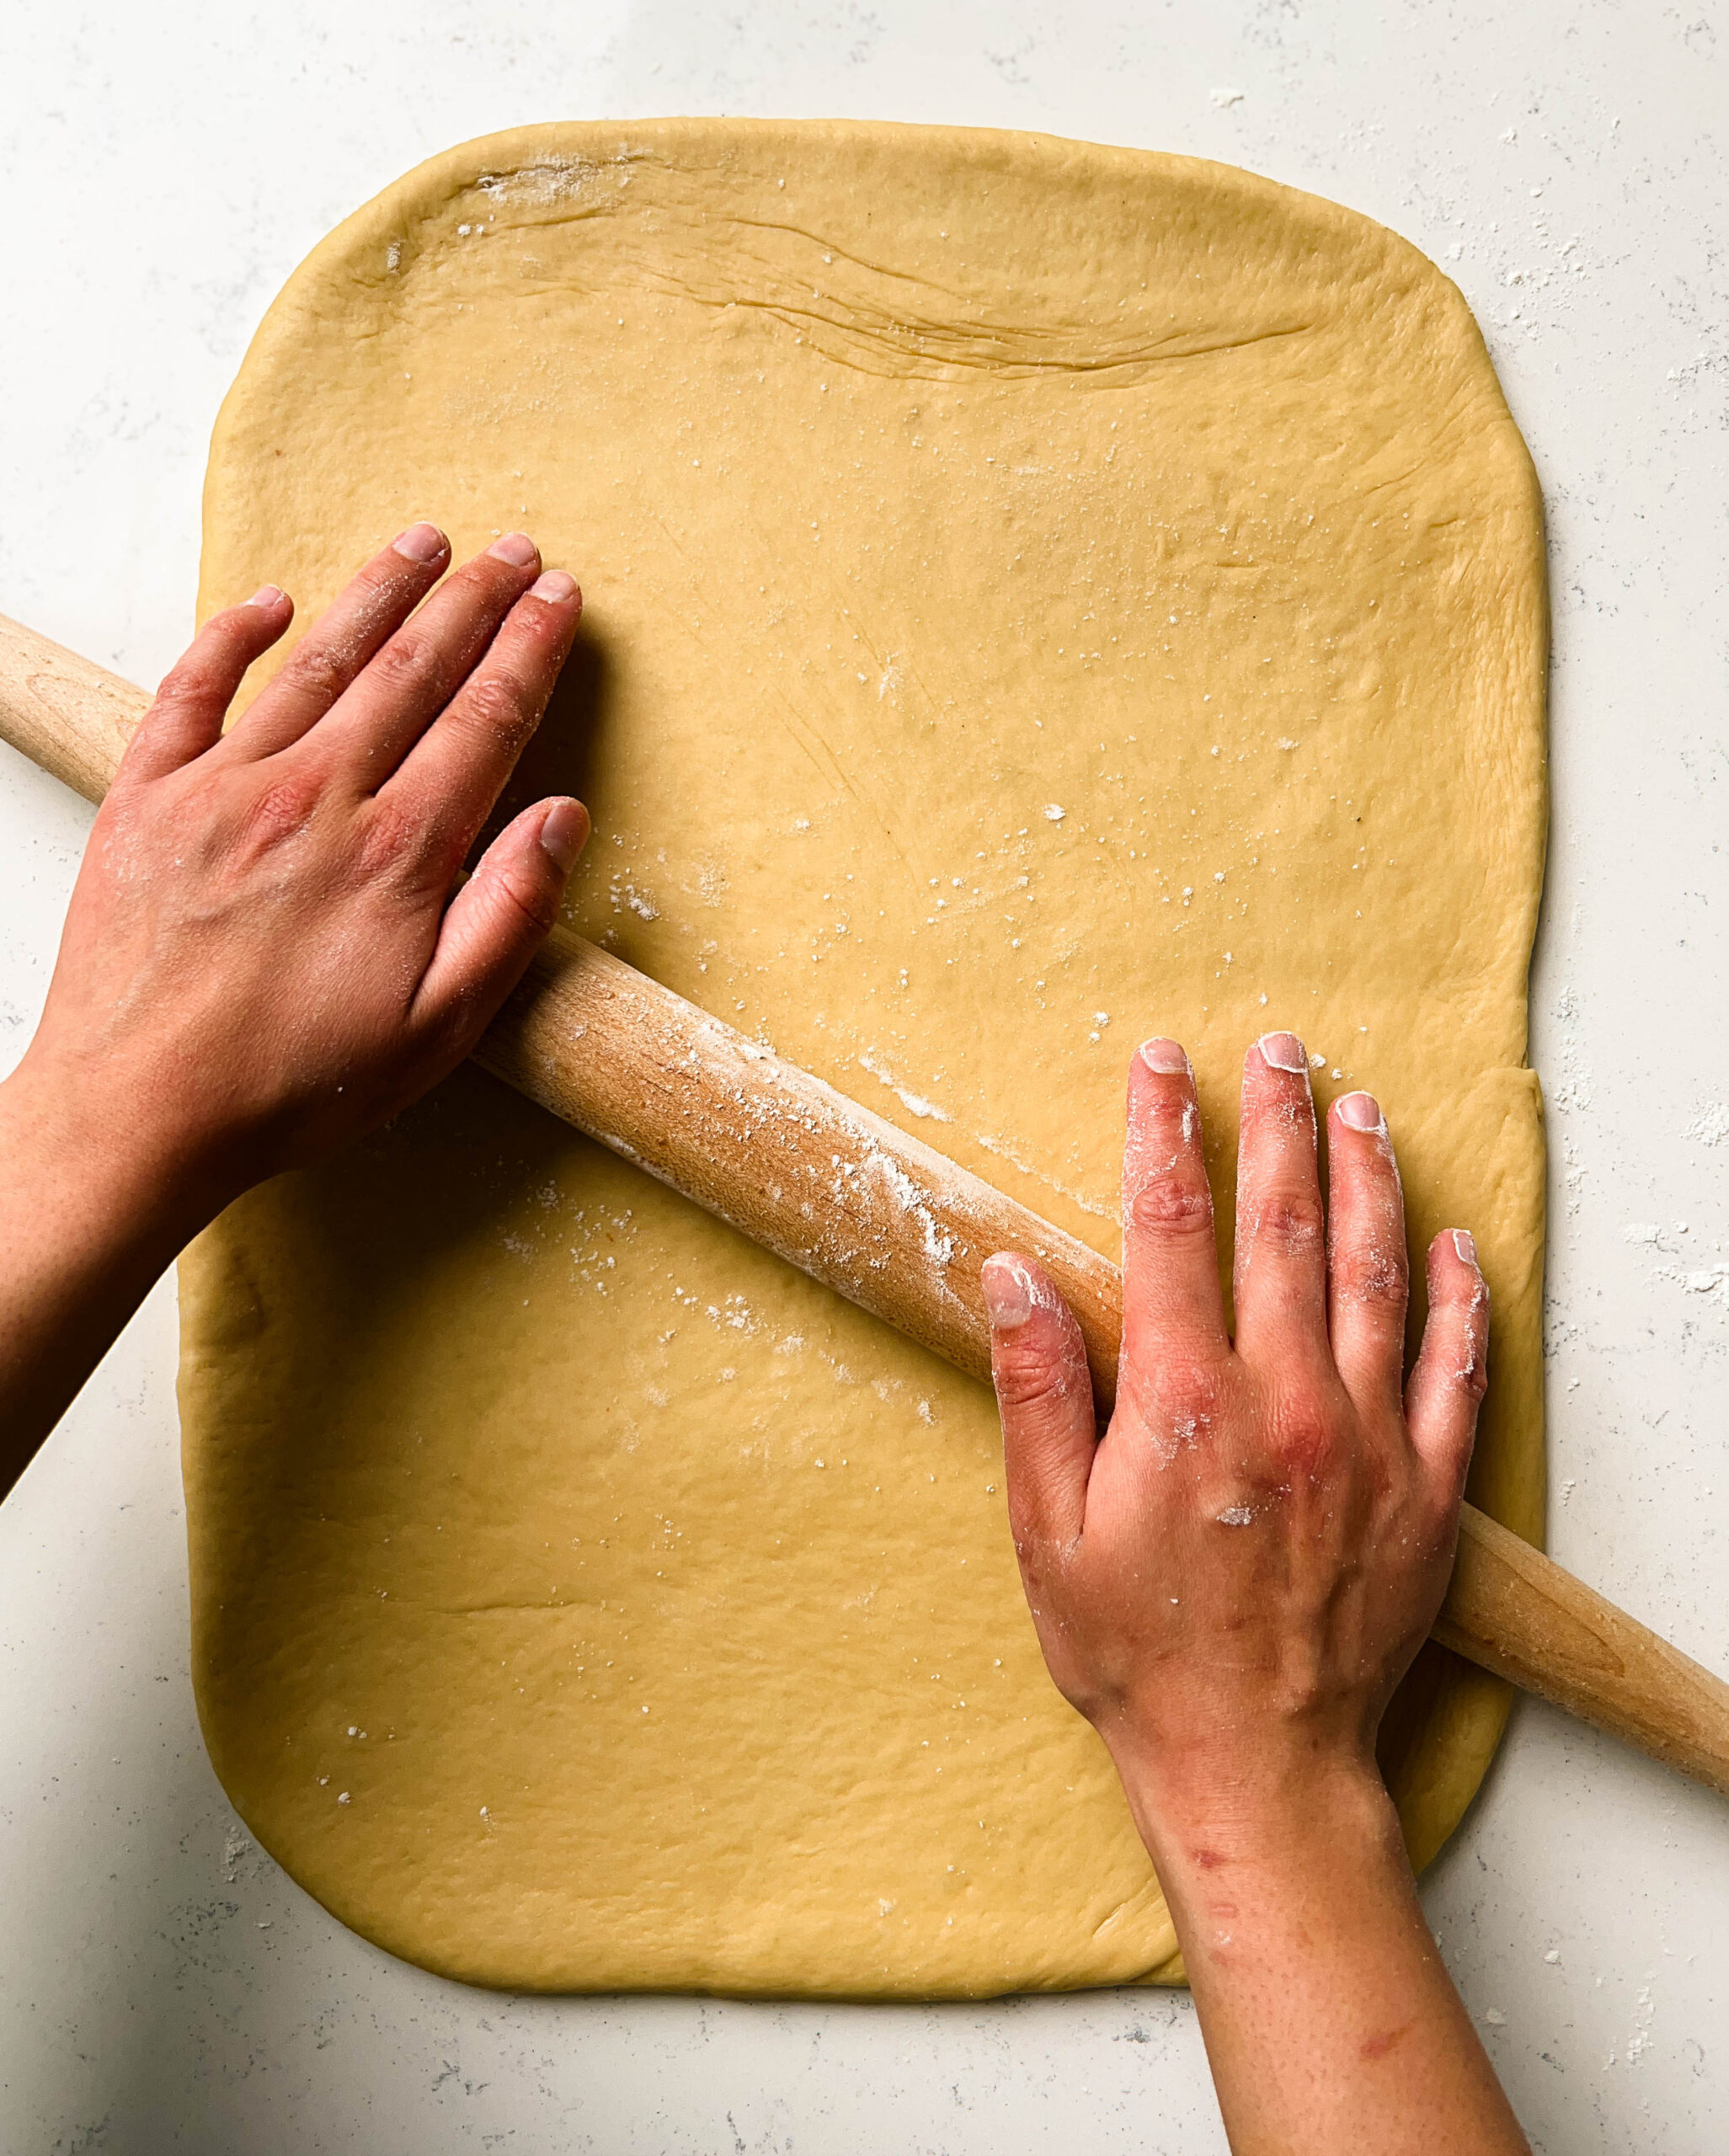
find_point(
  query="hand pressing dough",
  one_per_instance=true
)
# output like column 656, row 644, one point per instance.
column 1038, row 595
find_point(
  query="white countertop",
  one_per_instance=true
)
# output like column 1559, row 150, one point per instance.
column 162, row 1986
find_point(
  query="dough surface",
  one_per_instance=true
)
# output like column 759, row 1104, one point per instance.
column 1038, row 595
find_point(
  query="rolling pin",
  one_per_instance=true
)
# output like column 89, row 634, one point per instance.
column 897, row 1228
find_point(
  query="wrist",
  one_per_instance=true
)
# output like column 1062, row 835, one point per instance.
column 94, row 1216
column 1321, row 1993
column 1270, row 1861
column 1266, row 1808
column 112, row 1164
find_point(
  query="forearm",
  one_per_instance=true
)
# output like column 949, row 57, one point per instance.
column 1330, row 2020
column 92, row 1219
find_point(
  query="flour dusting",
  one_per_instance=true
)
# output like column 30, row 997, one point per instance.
column 555, row 179
column 915, row 1103
column 1710, row 1126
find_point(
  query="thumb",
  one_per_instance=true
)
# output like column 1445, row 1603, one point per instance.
column 1044, row 1396
column 500, row 917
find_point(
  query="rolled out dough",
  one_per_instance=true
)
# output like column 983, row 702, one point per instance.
column 1038, row 595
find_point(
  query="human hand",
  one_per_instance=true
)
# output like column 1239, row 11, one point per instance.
column 1230, row 1583
column 262, row 958
column 1236, row 1575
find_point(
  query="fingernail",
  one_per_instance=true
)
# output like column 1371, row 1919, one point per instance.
column 420, row 542
column 1283, row 1052
column 557, row 587
column 1360, row 1111
column 1008, row 1292
column 1464, row 1245
column 516, row 548
column 564, row 832
column 1166, row 1057
column 267, row 595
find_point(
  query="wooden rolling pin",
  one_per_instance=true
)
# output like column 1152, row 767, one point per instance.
column 895, row 1227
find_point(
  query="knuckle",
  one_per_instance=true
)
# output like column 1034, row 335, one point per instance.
column 280, row 811
column 382, row 846
column 1472, row 1375
column 535, row 902
column 499, row 707
column 207, row 670
column 394, row 842
column 192, row 682
column 1172, row 1204
column 1471, row 1361
column 1370, row 1273
column 1305, row 1429
column 1177, row 1401
column 1031, row 1382
column 1292, row 1220
column 517, row 906
column 1187, row 1382
column 405, row 661
column 318, row 673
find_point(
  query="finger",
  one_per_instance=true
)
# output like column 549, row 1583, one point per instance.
column 1044, row 1396
column 499, row 918
column 447, row 786
column 368, row 610
column 1452, row 1372
column 1368, row 1279
column 1172, row 1307
column 397, row 696
column 1281, row 1253
column 193, row 701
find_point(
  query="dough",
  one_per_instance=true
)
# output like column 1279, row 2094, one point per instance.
column 1038, row 595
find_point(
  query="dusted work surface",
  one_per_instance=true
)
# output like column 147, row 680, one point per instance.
column 139, row 1987
column 1035, row 594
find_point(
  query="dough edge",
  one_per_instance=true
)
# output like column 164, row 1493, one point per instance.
column 1480, row 1706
